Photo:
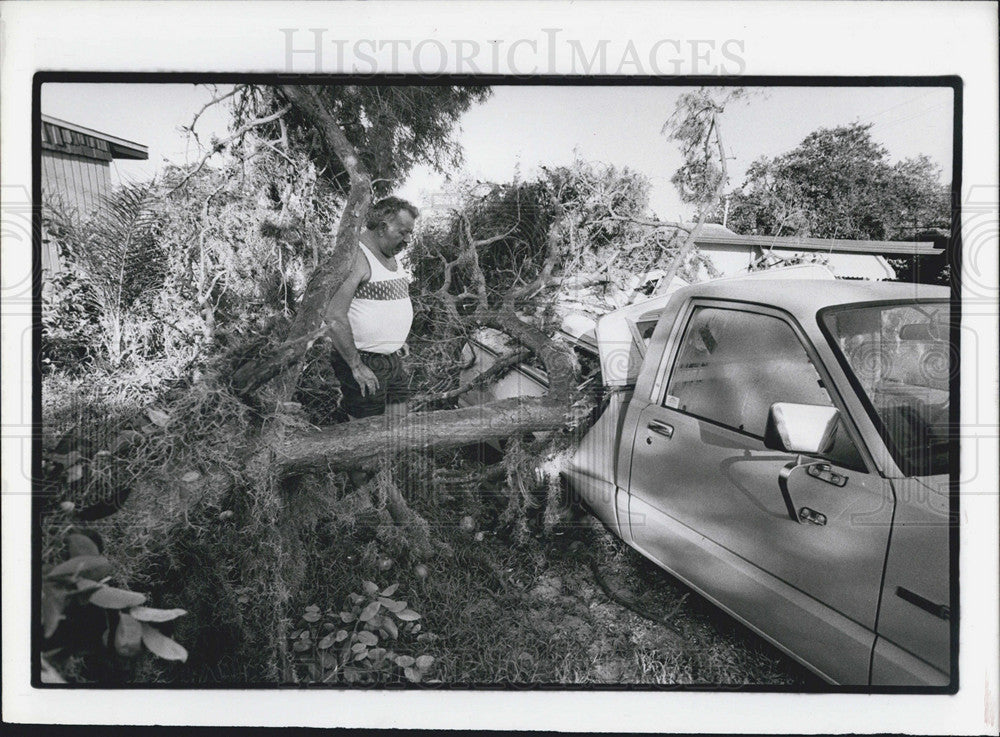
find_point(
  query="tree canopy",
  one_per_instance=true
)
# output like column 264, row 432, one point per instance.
column 840, row 183
column 392, row 128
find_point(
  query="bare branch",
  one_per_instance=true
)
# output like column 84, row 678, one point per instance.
column 214, row 101
column 220, row 145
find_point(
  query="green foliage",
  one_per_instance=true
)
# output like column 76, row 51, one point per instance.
column 694, row 124
column 392, row 127
column 360, row 642
column 118, row 262
column 71, row 331
column 839, row 183
column 74, row 588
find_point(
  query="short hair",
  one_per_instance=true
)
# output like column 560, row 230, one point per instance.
column 386, row 208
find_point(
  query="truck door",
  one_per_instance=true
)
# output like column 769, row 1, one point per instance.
column 705, row 500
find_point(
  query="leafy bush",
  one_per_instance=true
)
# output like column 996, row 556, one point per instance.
column 359, row 643
column 80, row 583
column 70, row 323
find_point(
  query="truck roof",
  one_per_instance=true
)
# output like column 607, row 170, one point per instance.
column 810, row 295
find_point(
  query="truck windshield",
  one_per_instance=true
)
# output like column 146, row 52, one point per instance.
column 899, row 355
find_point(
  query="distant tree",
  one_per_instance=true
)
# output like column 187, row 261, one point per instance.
column 839, row 183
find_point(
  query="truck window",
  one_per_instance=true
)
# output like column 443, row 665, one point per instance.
column 733, row 365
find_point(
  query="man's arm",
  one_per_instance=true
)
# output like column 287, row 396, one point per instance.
column 340, row 326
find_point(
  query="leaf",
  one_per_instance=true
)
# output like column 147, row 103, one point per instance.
column 404, row 661
column 377, row 653
column 341, row 636
column 148, row 614
column 358, row 647
column 66, row 459
column 50, row 674
column 190, row 477
column 392, row 606
column 347, row 617
column 329, row 626
column 300, row 646
column 390, row 590
column 413, row 675
column 81, row 545
column 161, row 645
column 369, row 611
column 125, row 438
column 311, row 616
column 366, row 637
column 53, row 603
column 425, row 661
column 350, row 675
column 94, row 566
column 390, row 628
column 415, row 628
column 326, row 642
column 369, row 588
column 74, row 473
column 158, row 417
column 356, row 598
column 426, row 637
column 408, row 615
column 361, row 655
column 128, row 636
column 312, row 608
column 109, row 597
column 85, row 586
column 327, row 660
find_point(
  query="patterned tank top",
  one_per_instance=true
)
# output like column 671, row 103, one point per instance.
column 381, row 312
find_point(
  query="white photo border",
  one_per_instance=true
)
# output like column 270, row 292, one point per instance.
column 778, row 38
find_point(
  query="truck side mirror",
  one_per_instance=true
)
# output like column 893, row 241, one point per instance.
column 801, row 428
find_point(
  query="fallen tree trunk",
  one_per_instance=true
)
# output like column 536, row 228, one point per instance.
column 362, row 443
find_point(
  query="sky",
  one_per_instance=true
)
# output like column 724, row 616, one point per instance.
column 523, row 127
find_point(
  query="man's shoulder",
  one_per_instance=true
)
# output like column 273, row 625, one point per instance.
column 361, row 269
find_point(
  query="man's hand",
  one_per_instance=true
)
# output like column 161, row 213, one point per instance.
column 366, row 379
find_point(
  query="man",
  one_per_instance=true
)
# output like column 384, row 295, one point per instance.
column 371, row 314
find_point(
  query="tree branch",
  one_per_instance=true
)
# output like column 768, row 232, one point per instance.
column 219, row 145
column 311, row 317
column 499, row 368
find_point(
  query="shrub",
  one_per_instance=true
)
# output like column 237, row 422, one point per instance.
column 359, row 643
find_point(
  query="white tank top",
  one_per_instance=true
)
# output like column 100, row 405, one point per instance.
column 381, row 312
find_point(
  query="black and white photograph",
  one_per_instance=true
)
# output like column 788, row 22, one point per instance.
column 348, row 381
column 583, row 408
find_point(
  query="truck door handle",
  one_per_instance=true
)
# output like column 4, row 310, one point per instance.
column 661, row 428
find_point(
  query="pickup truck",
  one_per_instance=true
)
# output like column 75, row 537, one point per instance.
column 781, row 446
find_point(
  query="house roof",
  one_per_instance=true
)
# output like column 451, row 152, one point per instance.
column 61, row 135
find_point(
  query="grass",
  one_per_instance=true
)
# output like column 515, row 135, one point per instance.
column 512, row 601
column 532, row 613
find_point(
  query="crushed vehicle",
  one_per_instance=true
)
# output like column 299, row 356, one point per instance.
column 781, row 446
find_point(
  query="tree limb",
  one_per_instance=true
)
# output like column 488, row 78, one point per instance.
column 363, row 443
column 218, row 146
column 311, row 316
column 500, row 367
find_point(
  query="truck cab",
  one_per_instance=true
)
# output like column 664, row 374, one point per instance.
column 781, row 446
